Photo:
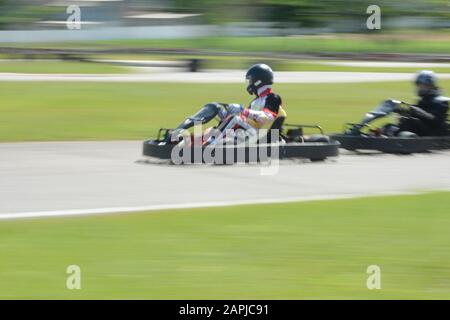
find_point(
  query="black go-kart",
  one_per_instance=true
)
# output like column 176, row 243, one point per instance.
column 281, row 141
column 364, row 136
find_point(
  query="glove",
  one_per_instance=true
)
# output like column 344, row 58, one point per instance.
column 401, row 110
column 235, row 108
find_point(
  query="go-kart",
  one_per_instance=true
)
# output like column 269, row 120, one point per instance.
column 364, row 136
column 220, row 145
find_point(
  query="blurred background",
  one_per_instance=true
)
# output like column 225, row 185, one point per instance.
column 211, row 30
column 206, row 45
column 134, row 66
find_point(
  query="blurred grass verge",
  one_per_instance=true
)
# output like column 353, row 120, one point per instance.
column 58, row 67
column 306, row 250
column 49, row 111
column 107, row 64
column 400, row 42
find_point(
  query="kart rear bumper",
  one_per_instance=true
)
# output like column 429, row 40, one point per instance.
column 314, row 151
column 399, row 145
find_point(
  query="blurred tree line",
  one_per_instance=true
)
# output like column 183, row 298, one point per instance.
column 311, row 13
column 15, row 14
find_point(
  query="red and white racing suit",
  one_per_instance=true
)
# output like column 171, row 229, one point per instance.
column 260, row 114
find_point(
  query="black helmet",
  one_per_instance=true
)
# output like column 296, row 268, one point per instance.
column 426, row 77
column 258, row 75
column 427, row 82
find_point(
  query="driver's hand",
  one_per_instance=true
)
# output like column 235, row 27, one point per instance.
column 235, row 108
column 393, row 101
column 401, row 110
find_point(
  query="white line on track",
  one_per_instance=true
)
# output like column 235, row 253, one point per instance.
column 46, row 179
column 78, row 212
column 218, row 76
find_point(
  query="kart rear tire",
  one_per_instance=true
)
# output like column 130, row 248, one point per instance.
column 318, row 138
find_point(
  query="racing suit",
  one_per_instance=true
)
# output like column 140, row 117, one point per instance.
column 264, row 109
column 261, row 113
column 428, row 118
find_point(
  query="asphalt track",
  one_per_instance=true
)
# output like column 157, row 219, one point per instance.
column 217, row 76
column 64, row 178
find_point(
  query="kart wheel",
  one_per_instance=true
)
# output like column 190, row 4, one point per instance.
column 317, row 159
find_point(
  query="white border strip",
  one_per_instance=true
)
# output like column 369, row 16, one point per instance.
column 189, row 205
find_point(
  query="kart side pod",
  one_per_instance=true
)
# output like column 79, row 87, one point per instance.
column 315, row 148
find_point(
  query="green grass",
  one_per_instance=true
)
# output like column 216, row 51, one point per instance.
column 422, row 42
column 317, row 66
column 222, row 62
column 100, row 111
column 58, row 67
column 216, row 62
column 243, row 62
column 207, row 62
column 309, row 250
